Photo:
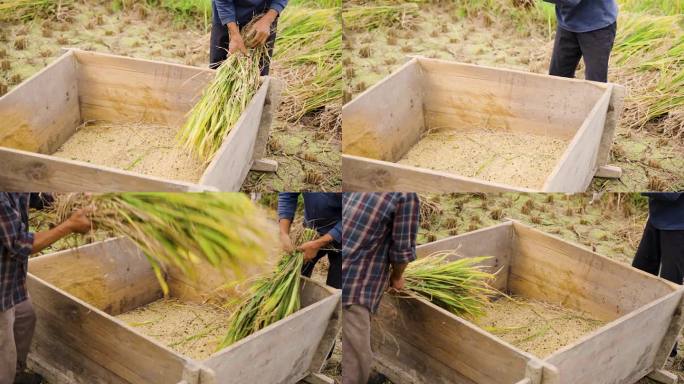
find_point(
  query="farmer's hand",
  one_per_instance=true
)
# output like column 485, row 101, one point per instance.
column 286, row 242
column 261, row 29
column 310, row 249
column 397, row 284
column 79, row 222
column 236, row 45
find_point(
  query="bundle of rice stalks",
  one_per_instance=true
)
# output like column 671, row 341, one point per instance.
column 461, row 286
column 222, row 103
column 271, row 298
column 373, row 17
column 181, row 230
column 30, row 9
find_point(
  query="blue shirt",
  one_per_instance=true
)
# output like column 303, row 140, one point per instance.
column 16, row 243
column 585, row 15
column 242, row 11
column 322, row 211
column 666, row 210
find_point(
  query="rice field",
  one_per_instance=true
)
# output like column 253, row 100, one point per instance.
column 647, row 58
column 305, row 136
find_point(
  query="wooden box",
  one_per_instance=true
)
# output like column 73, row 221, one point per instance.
column 385, row 122
column 42, row 113
column 419, row 342
column 77, row 293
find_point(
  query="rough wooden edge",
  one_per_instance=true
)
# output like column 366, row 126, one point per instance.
column 615, row 108
column 317, row 378
column 663, row 376
column 509, row 70
column 550, row 184
column 223, row 172
column 408, row 63
column 23, row 171
column 671, row 336
column 267, row 116
column 361, row 174
column 609, row 172
column 264, row 165
column 328, row 341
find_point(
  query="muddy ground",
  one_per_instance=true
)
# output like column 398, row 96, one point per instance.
column 650, row 161
column 308, row 156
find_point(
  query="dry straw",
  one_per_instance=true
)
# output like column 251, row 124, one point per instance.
column 460, row 286
column 271, row 297
column 225, row 230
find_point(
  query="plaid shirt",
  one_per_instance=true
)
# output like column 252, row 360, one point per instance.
column 378, row 229
column 16, row 243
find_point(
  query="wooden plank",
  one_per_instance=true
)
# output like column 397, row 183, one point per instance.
column 118, row 88
column 548, row 268
column 361, row 174
column 280, row 353
column 578, row 165
column 387, row 119
column 271, row 105
column 40, row 114
column 609, row 171
column 317, row 378
column 663, row 376
column 417, row 342
column 670, row 338
column 313, row 292
column 495, row 241
column 613, row 354
column 232, row 161
column 504, row 98
column 94, row 348
column 615, row 108
column 26, row 171
column 113, row 276
column 264, row 165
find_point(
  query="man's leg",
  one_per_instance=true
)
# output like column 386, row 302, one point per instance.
column 566, row 54
column 334, row 278
column 647, row 256
column 218, row 41
column 8, row 351
column 356, row 347
column 24, row 325
column 672, row 256
column 596, row 47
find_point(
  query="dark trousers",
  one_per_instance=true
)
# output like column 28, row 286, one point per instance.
column 334, row 278
column 661, row 253
column 594, row 46
column 218, row 46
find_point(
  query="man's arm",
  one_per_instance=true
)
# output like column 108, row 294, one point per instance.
column 287, row 206
column 404, row 232
column 77, row 223
column 228, row 16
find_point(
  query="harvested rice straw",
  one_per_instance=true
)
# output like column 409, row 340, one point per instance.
column 272, row 297
column 460, row 286
column 225, row 230
column 223, row 101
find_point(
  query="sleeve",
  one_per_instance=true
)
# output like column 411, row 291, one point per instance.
column 278, row 5
column 15, row 238
column 336, row 232
column 287, row 205
column 226, row 11
column 405, row 229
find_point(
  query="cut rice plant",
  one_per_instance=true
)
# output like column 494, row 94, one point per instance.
column 237, row 80
column 30, row 9
column 271, row 297
column 460, row 286
column 182, row 230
